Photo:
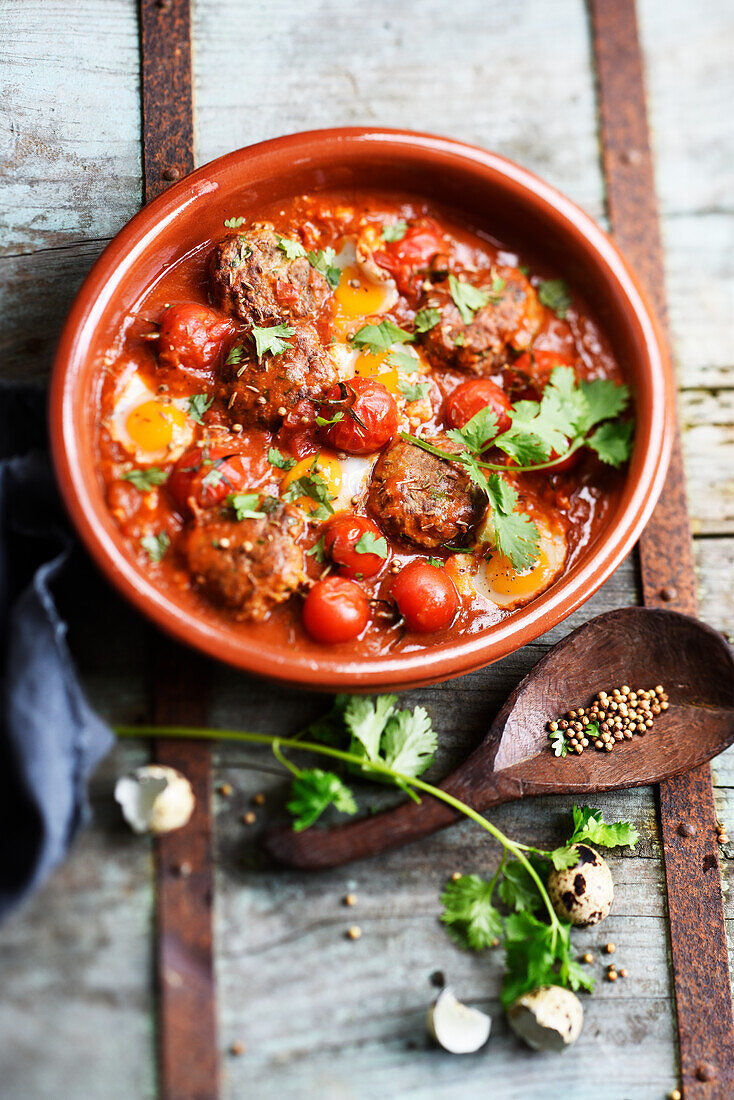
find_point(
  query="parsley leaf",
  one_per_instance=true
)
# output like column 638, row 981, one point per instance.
column 403, row 361
column 426, row 319
column 437, row 562
column 365, row 719
column 324, row 421
column 409, row 742
column 413, row 391
column 155, row 546
column 274, row 339
column 589, row 825
column 554, row 294
column 612, row 441
column 312, row 485
column 146, row 479
column 246, row 505
column 323, row 262
column 234, row 223
column 467, row 298
column 313, row 790
column 198, row 404
column 515, row 535
column 317, row 551
column 559, row 743
column 394, row 232
column 532, row 959
column 477, row 432
column 368, row 543
column 275, row 458
column 294, row 250
column 381, row 337
column 468, row 912
column 605, row 400
column 517, row 889
column 235, row 355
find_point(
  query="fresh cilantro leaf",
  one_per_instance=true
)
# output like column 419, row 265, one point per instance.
column 213, row 477
column 198, row 404
column 368, row 543
column 246, row 505
column 554, row 294
column 377, row 338
column 275, row 458
column 477, row 432
column 612, row 441
column 235, row 356
column 498, row 284
column 468, row 912
column 515, row 535
column 559, row 743
column 589, row 825
column 294, row 250
column 467, row 298
column 329, row 729
column 323, row 262
column 234, row 223
column 563, row 858
column 274, row 339
column 536, row 955
column 313, row 790
column 243, row 251
column 312, row 485
column 538, row 428
column 459, row 340
column 409, row 742
column 405, row 362
column 155, row 546
column 426, row 319
column 146, row 479
column 413, row 391
column 605, row 400
column 524, row 269
column 324, row 421
column 394, row 232
column 365, row 719
column 317, row 551
column 437, row 562
column 517, row 889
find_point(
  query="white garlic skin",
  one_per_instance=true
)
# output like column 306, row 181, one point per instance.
column 456, row 1027
column 155, row 799
column 583, row 894
column 548, row 1019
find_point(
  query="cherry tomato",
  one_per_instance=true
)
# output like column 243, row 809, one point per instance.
column 407, row 259
column 206, row 477
column 336, row 610
column 471, row 397
column 369, row 416
column 342, row 539
column 565, row 464
column 192, row 337
column 530, row 371
column 426, row 597
column 297, row 433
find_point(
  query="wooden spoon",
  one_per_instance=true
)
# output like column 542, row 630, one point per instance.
column 635, row 646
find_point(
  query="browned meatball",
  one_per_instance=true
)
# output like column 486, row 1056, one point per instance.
column 421, row 498
column 253, row 278
column 248, row 565
column 259, row 393
column 510, row 319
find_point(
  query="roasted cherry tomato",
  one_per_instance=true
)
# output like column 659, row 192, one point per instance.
column 565, row 464
column 408, row 258
column 471, row 397
column 297, row 433
column 206, row 476
column 192, row 337
column 336, row 610
column 530, row 371
column 369, row 416
column 426, row 597
column 346, row 541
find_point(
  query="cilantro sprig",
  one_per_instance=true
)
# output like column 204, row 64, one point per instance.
column 275, row 339
column 146, row 479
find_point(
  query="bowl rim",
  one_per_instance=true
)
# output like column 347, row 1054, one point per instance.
column 422, row 666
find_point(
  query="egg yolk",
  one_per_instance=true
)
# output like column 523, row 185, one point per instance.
column 326, row 467
column 522, row 585
column 151, row 425
column 376, row 366
column 357, row 296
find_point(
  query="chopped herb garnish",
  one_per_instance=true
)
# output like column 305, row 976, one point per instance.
column 369, row 543
column 275, row 458
column 317, row 551
column 403, row 361
column 324, row 421
column 235, row 355
column 467, row 298
column 274, row 339
column 198, row 404
column 246, row 505
column 426, row 319
column 312, row 485
column 294, row 250
column 438, row 562
column 155, row 546
column 413, row 391
column 324, row 261
column 378, row 338
column 234, row 223
column 394, row 232
column 554, row 294
column 146, row 479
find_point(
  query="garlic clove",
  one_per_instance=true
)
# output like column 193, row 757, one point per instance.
column 456, row 1027
column 549, row 1018
column 155, row 799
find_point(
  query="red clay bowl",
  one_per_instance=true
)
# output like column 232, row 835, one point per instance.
column 486, row 190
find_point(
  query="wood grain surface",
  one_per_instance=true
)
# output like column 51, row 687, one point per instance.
column 318, row 1014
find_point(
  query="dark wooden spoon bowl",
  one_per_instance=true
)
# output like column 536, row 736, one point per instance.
column 635, row 646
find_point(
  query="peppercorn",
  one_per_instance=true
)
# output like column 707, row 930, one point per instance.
column 622, row 972
column 611, row 974
column 587, row 958
column 237, row 1048
column 610, row 948
column 226, row 789
column 354, row 932
column 249, row 818
column 456, row 876
column 351, row 899
column 259, row 799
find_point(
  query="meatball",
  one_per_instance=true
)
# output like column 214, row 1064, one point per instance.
column 253, row 278
column 259, row 393
column 416, row 496
column 510, row 319
column 248, row 565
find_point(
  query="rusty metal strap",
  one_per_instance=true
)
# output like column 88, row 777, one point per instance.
column 686, row 804
column 187, row 1036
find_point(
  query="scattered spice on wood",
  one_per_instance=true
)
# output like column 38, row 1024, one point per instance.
column 611, row 974
column 610, row 948
column 226, row 789
column 587, row 958
column 249, row 818
column 622, row 972
column 456, row 876
column 676, row 1094
column 611, row 717
column 354, row 932
column 259, row 799
column 350, row 899
column 723, row 839
column 237, row 1049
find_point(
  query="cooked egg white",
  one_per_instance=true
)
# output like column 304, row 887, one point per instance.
column 150, row 427
column 497, row 581
column 364, row 289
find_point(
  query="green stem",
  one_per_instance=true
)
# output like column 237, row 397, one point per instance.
column 205, row 734
column 450, row 456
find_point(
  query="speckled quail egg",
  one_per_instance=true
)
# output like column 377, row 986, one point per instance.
column 582, row 894
column 549, row 1018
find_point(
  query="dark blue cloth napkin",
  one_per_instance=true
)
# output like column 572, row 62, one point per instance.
column 50, row 739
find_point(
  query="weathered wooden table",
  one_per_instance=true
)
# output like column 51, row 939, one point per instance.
column 321, row 1015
